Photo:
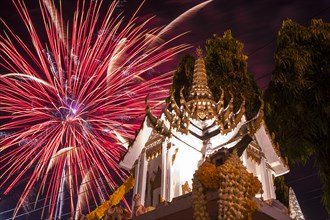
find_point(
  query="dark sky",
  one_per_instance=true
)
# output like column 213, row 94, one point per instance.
column 253, row 22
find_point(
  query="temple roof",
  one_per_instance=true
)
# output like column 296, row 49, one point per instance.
column 203, row 110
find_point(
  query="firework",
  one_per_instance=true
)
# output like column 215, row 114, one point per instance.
column 70, row 103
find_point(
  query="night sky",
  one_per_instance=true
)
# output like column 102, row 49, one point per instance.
column 254, row 22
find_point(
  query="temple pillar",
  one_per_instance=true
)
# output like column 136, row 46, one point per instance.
column 164, row 170
column 136, row 178
column 264, row 178
column 143, row 176
column 168, row 190
column 271, row 183
column 137, row 175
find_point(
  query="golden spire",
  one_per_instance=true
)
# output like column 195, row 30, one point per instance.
column 200, row 98
column 200, row 88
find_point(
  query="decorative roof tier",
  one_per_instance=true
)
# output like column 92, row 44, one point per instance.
column 200, row 101
column 201, row 106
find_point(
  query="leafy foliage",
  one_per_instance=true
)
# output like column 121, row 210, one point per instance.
column 226, row 67
column 298, row 97
column 281, row 190
column 183, row 77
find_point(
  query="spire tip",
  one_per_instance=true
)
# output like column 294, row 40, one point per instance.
column 199, row 52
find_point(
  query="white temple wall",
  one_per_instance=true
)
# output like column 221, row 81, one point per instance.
column 185, row 161
column 153, row 188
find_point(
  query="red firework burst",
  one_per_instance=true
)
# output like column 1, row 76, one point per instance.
column 66, row 103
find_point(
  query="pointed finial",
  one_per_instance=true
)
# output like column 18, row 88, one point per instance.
column 199, row 52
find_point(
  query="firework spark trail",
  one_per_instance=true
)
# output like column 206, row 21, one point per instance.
column 158, row 38
column 59, row 100
column 182, row 18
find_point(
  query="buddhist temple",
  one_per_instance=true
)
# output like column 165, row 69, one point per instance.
column 168, row 149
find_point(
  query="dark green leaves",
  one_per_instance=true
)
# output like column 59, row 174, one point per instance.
column 298, row 97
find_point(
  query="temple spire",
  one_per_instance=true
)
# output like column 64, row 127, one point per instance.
column 200, row 99
column 200, row 88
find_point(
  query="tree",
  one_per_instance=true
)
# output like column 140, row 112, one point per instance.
column 298, row 97
column 281, row 190
column 226, row 67
column 182, row 77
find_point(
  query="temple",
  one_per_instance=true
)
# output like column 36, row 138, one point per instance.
column 168, row 149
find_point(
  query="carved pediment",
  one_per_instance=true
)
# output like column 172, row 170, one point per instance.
column 154, row 137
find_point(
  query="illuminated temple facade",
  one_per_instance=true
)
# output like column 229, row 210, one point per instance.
column 168, row 149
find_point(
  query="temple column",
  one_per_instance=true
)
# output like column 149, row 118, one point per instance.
column 271, row 183
column 264, row 178
column 168, row 190
column 164, row 170
column 136, row 178
column 137, row 175
column 143, row 176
